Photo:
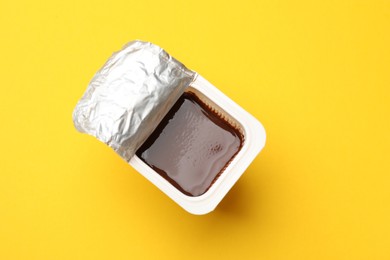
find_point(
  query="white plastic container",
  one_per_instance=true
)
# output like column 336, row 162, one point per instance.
column 130, row 95
column 254, row 141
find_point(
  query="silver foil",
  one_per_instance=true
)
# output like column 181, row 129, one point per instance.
column 129, row 96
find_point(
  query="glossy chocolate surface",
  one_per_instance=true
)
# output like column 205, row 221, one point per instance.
column 191, row 146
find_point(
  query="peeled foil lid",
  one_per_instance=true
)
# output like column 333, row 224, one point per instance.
column 129, row 96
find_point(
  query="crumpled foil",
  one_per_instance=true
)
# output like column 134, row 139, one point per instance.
column 129, row 96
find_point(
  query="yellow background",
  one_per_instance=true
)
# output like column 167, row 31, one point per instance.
column 315, row 73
